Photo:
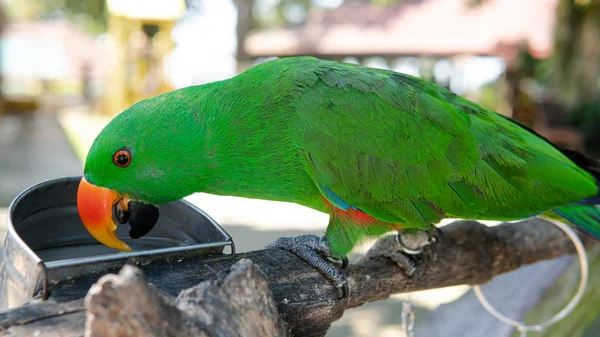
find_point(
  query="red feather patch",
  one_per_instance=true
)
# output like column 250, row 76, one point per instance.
column 350, row 214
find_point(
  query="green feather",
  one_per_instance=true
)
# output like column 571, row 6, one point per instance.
column 586, row 217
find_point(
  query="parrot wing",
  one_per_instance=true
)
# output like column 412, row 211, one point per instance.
column 406, row 151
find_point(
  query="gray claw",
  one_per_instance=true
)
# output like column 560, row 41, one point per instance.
column 391, row 248
column 343, row 260
column 406, row 263
column 343, row 291
column 311, row 249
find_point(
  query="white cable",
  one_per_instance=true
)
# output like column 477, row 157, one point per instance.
column 521, row 326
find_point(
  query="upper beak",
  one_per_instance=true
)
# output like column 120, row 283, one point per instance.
column 95, row 205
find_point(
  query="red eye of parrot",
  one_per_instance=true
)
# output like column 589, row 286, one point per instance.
column 122, row 158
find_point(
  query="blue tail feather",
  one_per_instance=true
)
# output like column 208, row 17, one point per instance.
column 595, row 200
column 585, row 217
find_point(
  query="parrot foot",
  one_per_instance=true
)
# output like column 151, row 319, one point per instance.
column 314, row 250
column 389, row 248
column 412, row 242
column 406, row 263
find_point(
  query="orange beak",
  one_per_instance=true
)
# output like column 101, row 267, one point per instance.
column 95, row 205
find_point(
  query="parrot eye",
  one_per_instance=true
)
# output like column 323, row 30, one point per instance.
column 122, row 158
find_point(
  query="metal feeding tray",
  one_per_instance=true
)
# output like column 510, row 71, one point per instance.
column 46, row 241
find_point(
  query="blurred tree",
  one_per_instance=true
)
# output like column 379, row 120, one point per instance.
column 2, row 24
column 577, row 51
column 575, row 63
column 381, row 2
column 586, row 116
column 571, row 76
column 87, row 14
column 245, row 23
column 269, row 13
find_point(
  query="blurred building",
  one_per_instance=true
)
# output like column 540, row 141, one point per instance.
column 49, row 62
column 423, row 27
column 452, row 42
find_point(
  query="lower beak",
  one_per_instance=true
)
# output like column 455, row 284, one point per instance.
column 95, row 205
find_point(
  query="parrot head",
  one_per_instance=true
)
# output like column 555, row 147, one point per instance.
column 145, row 157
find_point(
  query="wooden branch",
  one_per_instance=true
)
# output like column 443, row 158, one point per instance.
column 237, row 304
column 471, row 253
column 125, row 305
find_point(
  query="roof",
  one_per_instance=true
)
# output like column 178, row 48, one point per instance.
column 434, row 27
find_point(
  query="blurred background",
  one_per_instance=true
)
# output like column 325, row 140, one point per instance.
column 68, row 66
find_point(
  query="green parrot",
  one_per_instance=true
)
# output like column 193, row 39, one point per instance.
column 377, row 150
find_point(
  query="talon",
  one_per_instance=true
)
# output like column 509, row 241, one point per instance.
column 344, row 262
column 343, row 291
column 316, row 252
column 407, row 264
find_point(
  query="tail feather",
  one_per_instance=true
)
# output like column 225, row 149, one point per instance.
column 584, row 217
column 585, row 214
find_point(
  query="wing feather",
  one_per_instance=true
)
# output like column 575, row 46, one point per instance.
column 406, row 151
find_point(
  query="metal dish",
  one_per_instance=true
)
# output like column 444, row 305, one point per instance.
column 46, row 241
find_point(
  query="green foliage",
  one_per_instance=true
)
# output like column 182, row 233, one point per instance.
column 86, row 14
column 576, row 56
column 491, row 96
column 386, row 2
column 90, row 14
column 286, row 12
column 586, row 117
column 575, row 63
column 282, row 13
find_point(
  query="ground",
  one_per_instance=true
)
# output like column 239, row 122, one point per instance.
column 32, row 149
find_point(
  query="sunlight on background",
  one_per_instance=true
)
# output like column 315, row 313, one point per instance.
column 190, row 62
column 68, row 67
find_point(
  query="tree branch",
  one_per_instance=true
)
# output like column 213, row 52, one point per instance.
column 471, row 253
column 237, row 304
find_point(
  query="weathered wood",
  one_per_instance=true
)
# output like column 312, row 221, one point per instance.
column 471, row 253
column 125, row 305
column 238, row 304
column 48, row 319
